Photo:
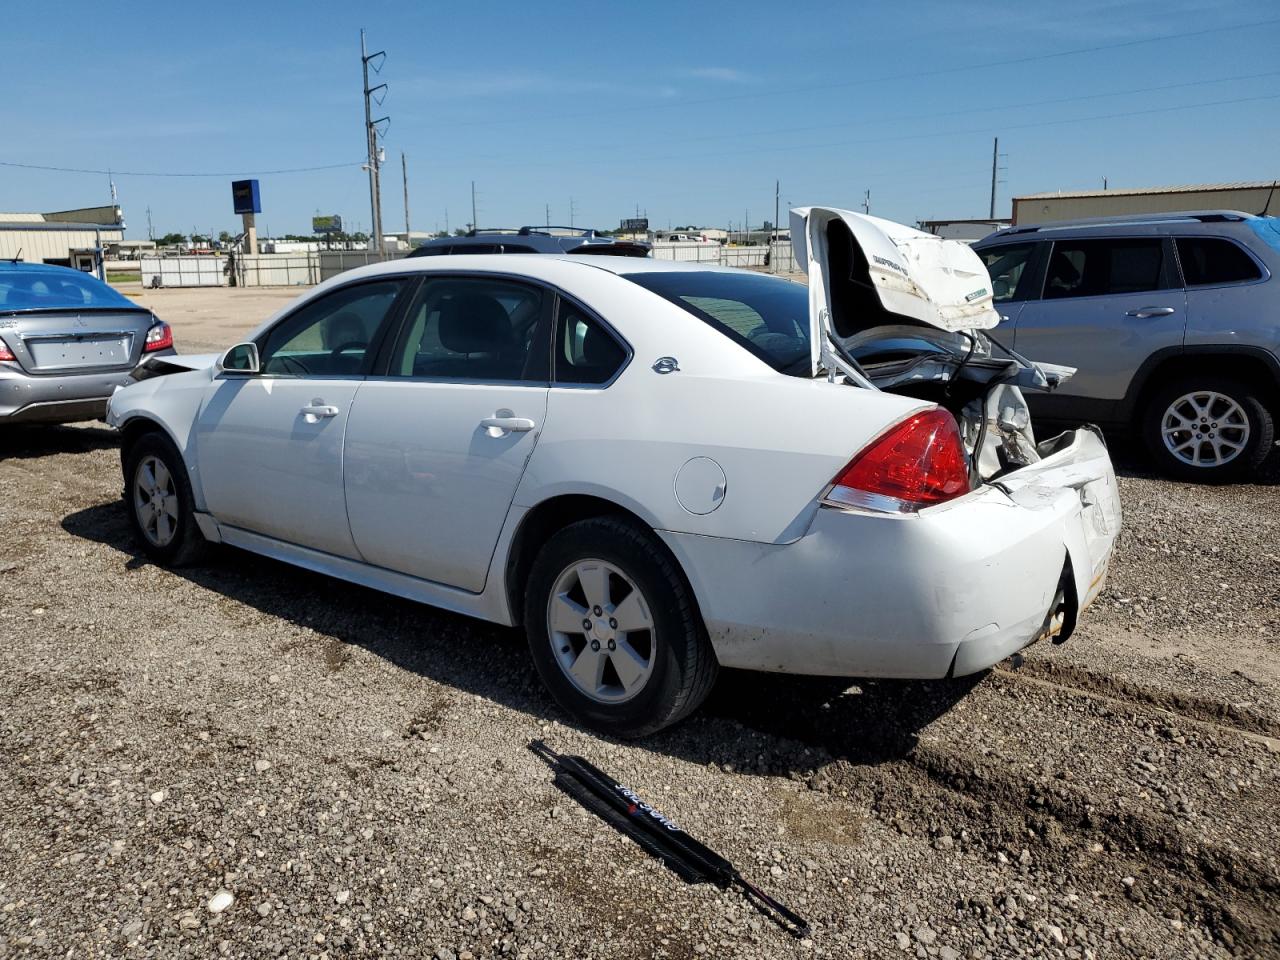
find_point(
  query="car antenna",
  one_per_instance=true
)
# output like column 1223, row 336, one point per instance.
column 1267, row 206
column 18, row 256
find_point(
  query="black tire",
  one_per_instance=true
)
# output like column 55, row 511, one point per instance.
column 1261, row 429
column 683, row 665
column 187, row 545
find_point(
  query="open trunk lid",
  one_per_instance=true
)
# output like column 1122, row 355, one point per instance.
column 900, row 310
column 866, row 272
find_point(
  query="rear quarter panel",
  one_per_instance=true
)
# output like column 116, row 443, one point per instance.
column 779, row 440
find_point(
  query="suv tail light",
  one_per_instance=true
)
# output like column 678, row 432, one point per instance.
column 919, row 462
column 5, row 352
column 159, row 337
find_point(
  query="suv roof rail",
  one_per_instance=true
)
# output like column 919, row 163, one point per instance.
column 486, row 231
column 1184, row 216
column 560, row 231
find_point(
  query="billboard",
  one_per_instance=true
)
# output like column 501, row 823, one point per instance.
column 244, row 196
column 329, row 224
column 635, row 225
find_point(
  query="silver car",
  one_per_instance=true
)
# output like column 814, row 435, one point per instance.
column 66, row 341
column 1172, row 321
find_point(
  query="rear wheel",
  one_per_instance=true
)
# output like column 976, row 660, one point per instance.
column 613, row 629
column 158, row 498
column 1207, row 429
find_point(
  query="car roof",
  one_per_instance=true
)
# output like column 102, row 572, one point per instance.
column 1152, row 224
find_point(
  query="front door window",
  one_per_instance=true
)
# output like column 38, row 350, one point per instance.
column 330, row 336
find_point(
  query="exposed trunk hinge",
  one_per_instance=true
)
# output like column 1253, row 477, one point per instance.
column 835, row 365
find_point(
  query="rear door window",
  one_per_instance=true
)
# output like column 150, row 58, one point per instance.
column 473, row 329
column 1093, row 268
column 1208, row 261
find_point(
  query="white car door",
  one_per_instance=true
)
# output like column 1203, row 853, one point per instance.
column 437, row 445
column 269, row 446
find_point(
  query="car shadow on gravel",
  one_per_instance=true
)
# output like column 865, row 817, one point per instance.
column 768, row 724
column 25, row 441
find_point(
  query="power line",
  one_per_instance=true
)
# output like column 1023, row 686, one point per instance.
column 887, row 78
column 137, row 173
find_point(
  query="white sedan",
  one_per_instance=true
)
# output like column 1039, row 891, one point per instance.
column 658, row 469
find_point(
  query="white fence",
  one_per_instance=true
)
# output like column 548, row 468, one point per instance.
column 278, row 270
column 775, row 256
column 183, row 271
column 308, row 269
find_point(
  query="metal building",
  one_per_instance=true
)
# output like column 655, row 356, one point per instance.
column 1254, row 196
column 67, row 238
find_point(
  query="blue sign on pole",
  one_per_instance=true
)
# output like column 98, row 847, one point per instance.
column 244, row 194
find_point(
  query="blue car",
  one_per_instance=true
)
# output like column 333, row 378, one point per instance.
column 66, row 341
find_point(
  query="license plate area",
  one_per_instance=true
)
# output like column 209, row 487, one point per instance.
column 69, row 353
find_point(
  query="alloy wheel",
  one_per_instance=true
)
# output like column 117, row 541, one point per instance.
column 1205, row 429
column 601, row 631
column 155, row 500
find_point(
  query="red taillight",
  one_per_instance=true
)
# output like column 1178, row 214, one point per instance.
column 918, row 463
column 159, row 337
column 5, row 352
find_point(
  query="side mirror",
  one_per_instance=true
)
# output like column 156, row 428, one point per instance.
column 242, row 358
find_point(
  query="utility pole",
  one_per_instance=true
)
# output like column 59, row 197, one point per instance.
column 773, row 253
column 474, row 225
column 151, row 234
column 572, row 211
column 404, row 172
column 866, row 202
column 995, row 163
column 371, row 138
column 548, row 212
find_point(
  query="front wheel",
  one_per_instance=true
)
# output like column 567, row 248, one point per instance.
column 158, row 498
column 1207, row 429
column 613, row 628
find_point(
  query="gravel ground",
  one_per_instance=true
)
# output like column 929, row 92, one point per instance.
column 345, row 774
column 248, row 760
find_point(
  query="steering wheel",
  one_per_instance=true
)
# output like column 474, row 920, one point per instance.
column 347, row 345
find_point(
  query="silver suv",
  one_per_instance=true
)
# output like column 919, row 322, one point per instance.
column 1173, row 321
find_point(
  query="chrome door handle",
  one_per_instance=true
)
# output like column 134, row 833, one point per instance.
column 498, row 426
column 317, row 409
column 1144, row 312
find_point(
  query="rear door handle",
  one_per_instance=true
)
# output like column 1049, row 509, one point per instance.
column 317, row 409
column 1142, row 313
column 500, row 426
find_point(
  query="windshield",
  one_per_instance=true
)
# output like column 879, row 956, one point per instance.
column 767, row 315
column 56, row 290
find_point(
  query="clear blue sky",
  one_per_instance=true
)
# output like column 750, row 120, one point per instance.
column 680, row 108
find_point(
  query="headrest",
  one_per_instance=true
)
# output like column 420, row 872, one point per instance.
column 474, row 323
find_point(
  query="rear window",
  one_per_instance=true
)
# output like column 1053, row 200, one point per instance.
column 767, row 315
column 1212, row 260
column 57, row 289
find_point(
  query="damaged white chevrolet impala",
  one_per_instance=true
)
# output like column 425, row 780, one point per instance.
column 657, row 468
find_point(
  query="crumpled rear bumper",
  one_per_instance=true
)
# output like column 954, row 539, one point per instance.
column 951, row 590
